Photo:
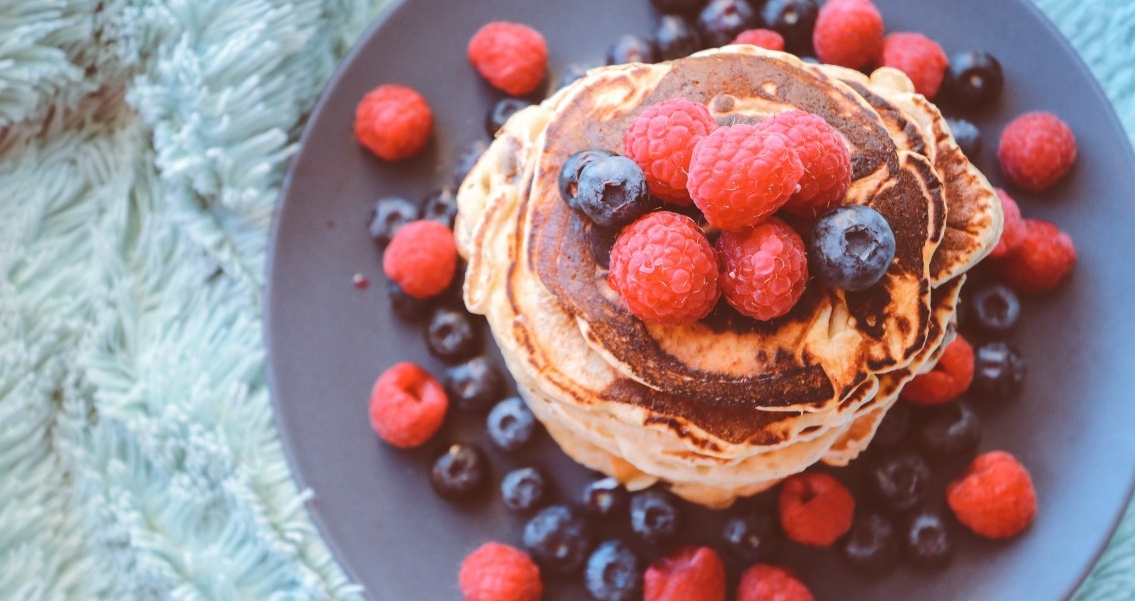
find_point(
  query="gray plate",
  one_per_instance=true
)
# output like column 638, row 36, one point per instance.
column 328, row 340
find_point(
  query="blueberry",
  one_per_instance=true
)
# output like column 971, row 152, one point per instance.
column 613, row 192
column 894, row 427
column 655, row 516
column 872, row 543
column 570, row 74
column 953, row 429
column 467, row 159
column 973, row 79
column 613, row 572
column 406, row 307
column 604, row 497
column 568, row 180
column 994, row 308
column 794, row 20
column 558, row 538
column 928, row 539
column 440, row 206
column 967, row 135
column 630, row 48
column 678, row 7
column 451, row 335
column 474, row 385
column 902, row 480
column 522, row 489
column 501, row 111
column 390, row 213
column 511, row 424
column 602, row 240
column 998, row 369
column 851, row 247
column 675, row 38
column 721, row 20
column 459, row 472
column 752, row 536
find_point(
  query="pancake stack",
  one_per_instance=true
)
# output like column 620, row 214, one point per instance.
column 728, row 406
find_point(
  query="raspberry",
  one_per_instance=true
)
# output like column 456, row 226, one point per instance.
column 815, row 509
column 762, row 38
column 511, row 56
column 994, row 497
column 421, row 258
column 688, row 574
column 763, row 582
column 848, row 33
column 947, row 381
column 1013, row 233
column 1043, row 259
column 826, row 160
column 407, row 405
column 740, row 174
column 393, row 121
column 763, row 268
column 498, row 572
column 1036, row 150
column 664, row 269
column 661, row 140
column 920, row 57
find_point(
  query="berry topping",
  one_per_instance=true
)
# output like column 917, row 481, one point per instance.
column 498, row 572
column 752, row 536
column 761, row 38
column 421, row 258
column 522, row 489
column 630, row 48
column 688, row 574
column 826, row 160
column 601, row 240
column 999, row 370
column 994, row 497
column 440, row 206
column 815, row 509
column 568, row 180
column 675, row 37
column 947, row 381
column 451, row 336
column 848, row 33
column 763, row 582
column 994, row 308
column 613, row 573
column 510, row 56
column 662, row 139
column 721, row 20
column 953, row 430
column 967, row 135
column 872, row 543
column 474, row 385
column 894, row 427
column 390, row 213
column 920, row 57
column 604, row 497
column 511, row 424
column 558, row 538
column 394, row 122
column 613, row 192
column 794, row 20
column 928, row 539
column 407, row 405
column 1044, row 258
column 655, row 516
column 851, row 247
column 1013, row 234
column 459, row 472
column 763, row 269
column 973, row 79
column 664, row 269
column 501, row 111
column 741, row 174
column 1036, row 150
column 902, row 481
column 406, row 307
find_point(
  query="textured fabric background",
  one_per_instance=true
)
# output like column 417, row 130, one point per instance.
column 142, row 143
